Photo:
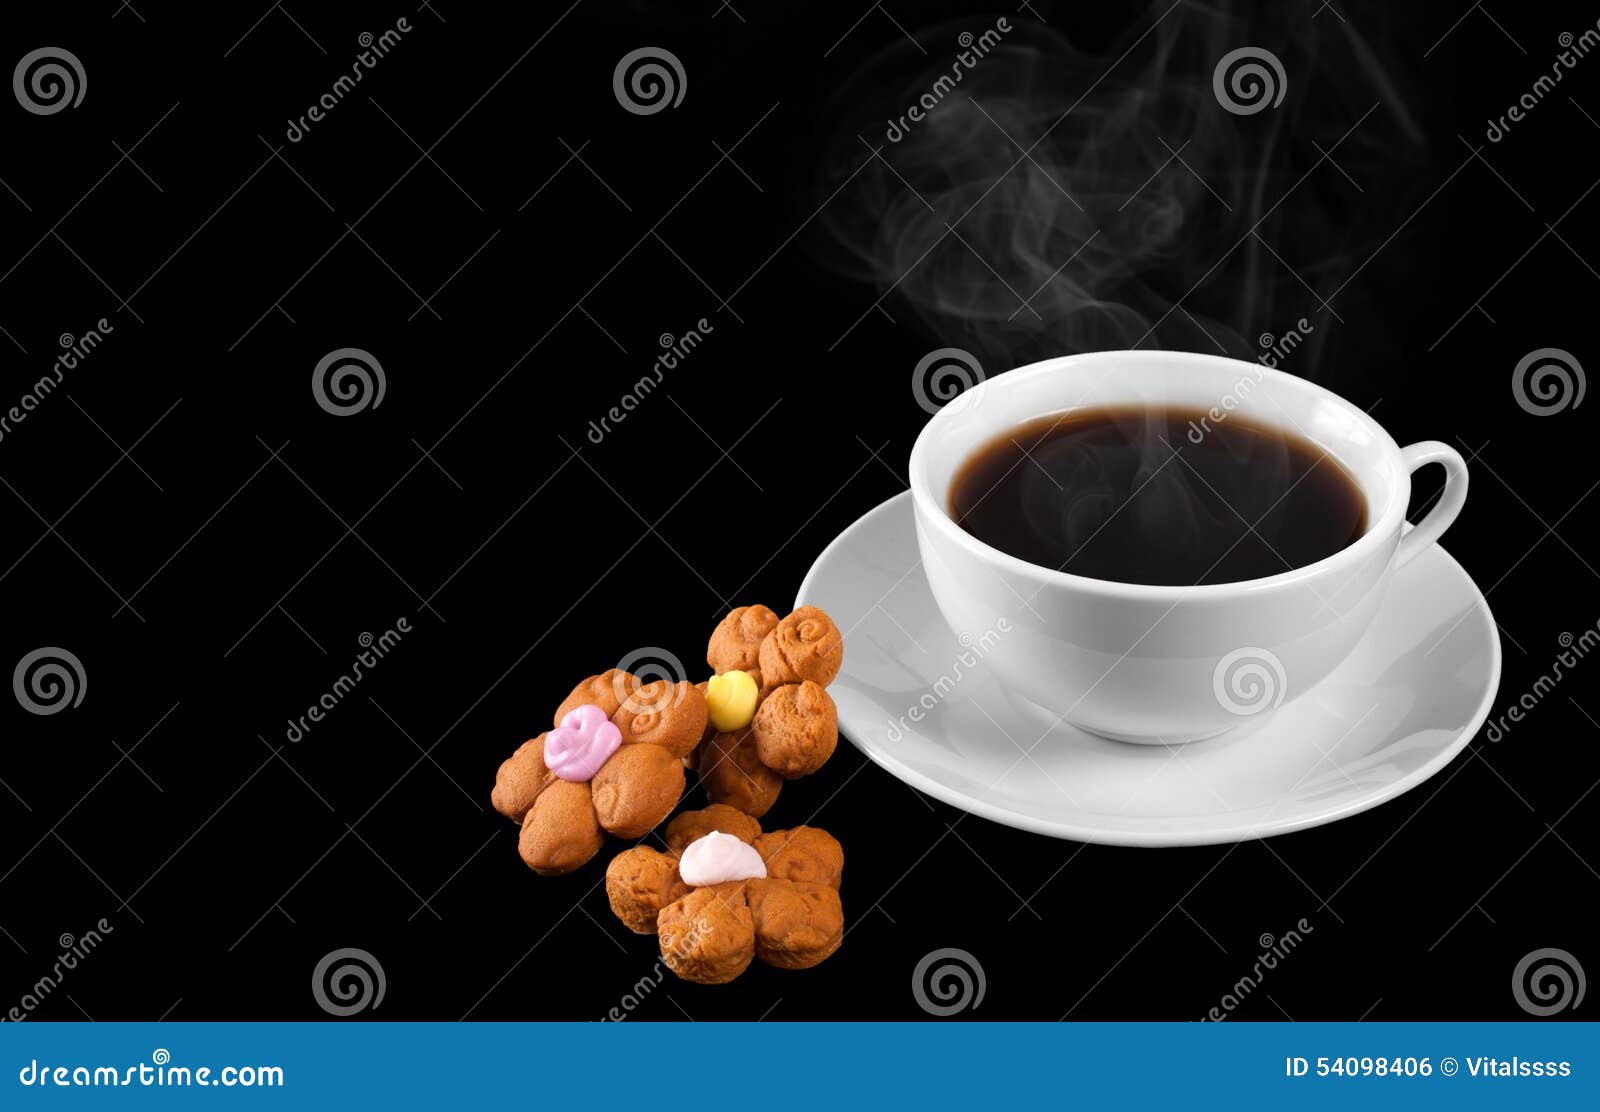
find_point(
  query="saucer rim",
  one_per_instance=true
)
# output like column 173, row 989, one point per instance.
column 1163, row 831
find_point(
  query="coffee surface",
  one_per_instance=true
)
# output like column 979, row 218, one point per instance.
column 1157, row 495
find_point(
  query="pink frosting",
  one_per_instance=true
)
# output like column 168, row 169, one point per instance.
column 583, row 742
column 719, row 857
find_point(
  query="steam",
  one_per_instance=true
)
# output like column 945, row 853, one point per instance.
column 1111, row 482
column 1061, row 199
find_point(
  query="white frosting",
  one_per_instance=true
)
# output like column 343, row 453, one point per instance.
column 719, row 857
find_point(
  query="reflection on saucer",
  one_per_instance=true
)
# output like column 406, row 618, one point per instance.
column 923, row 705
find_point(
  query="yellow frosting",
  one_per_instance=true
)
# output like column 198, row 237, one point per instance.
column 731, row 698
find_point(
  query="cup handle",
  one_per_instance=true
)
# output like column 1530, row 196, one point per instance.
column 1438, row 519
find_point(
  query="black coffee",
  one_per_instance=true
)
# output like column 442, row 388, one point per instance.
column 1158, row 495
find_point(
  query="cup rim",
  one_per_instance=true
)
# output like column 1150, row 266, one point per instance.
column 933, row 506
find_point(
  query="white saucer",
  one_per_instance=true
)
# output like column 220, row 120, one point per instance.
column 1409, row 698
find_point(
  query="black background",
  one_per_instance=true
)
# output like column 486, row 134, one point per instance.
column 210, row 543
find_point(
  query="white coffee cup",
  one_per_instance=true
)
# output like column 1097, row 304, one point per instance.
column 1164, row 664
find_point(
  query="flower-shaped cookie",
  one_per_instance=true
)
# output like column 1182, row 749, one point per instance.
column 779, row 669
column 724, row 893
column 613, row 763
